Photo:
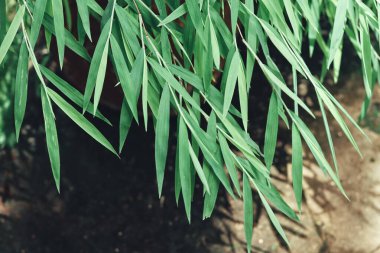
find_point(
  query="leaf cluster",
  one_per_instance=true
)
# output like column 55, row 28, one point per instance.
column 166, row 54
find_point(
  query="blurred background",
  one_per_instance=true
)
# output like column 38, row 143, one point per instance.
column 111, row 205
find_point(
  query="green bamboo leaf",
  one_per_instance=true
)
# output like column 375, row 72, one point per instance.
column 248, row 212
column 214, row 46
column 177, row 13
column 210, row 199
column 124, row 76
column 198, row 168
column 21, row 88
column 95, row 7
column 209, row 148
column 195, row 15
column 243, row 95
column 3, row 19
column 70, row 40
column 293, row 17
column 68, row 15
column 316, row 149
column 69, row 91
column 231, row 82
column 97, row 70
column 162, row 137
column 184, row 167
column 281, row 85
column 211, row 176
column 271, row 131
column 100, row 76
column 145, row 93
column 272, row 217
column 187, row 76
column 84, row 16
column 234, row 14
column 48, row 33
column 177, row 178
column 59, row 26
column 164, row 73
column 297, row 165
column 338, row 29
column 51, row 138
column 38, row 17
column 9, row 37
column 366, row 49
column 124, row 124
column 229, row 160
column 80, row 120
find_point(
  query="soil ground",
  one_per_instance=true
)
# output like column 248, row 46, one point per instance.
column 110, row 205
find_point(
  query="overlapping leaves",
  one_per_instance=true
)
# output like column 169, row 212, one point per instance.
column 171, row 53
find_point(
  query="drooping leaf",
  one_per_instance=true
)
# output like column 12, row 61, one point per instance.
column 51, row 138
column 21, row 88
column 84, row 16
column 297, row 165
column 184, row 167
column 248, row 212
column 124, row 124
column 338, row 29
column 80, row 120
column 162, row 137
column 69, row 91
column 97, row 70
column 271, row 131
column 59, row 26
column 231, row 82
column 9, row 37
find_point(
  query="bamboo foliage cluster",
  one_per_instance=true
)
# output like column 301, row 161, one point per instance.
column 166, row 54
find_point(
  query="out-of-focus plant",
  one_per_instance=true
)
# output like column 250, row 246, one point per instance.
column 7, row 79
column 169, row 53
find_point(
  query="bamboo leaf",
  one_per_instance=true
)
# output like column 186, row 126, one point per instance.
column 9, row 37
column 338, row 29
column 198, row 168
column 124, row 77
column 229, row 160
column 97, row 70
column 84, row 16
column 124, row 124
column 366, row 50
column 162, row 137
column 297, row 165
column 21, row 88
column 248, row 212
column 69, row 91
column 184, row 167
column 51, row 138
column 271, row 131
column 273, row 217
column 80, row 120
column 38, row 17
column 59, row 26
column 231, row 82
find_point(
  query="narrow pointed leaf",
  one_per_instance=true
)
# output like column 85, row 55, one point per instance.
column 80, row 120
column 184, row 167
column 162, row 137
column 59, row 26
column 9, row 37
column 248, row 212
column 51, row 138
